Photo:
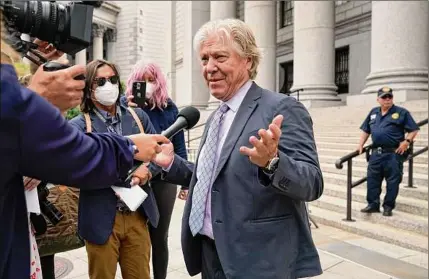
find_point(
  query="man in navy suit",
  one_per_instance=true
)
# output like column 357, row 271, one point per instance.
column 36, row 141
column 245, row 216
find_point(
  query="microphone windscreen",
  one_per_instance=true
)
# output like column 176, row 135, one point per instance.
column 192, row 116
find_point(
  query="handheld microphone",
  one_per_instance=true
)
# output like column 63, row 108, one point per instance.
column 187, row 118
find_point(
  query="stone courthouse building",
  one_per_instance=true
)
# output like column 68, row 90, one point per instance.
column 338, row 52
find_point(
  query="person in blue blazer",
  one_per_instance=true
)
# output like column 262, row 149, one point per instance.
column 36, row 141
column 111, row 231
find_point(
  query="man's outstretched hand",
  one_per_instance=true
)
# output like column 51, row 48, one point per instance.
column 265, row 148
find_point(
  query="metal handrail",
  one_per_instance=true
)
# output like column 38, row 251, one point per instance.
column 297, row 92
column 349, row 158
column 188, row 141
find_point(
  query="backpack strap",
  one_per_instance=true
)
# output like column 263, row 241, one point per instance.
column 136, row 119
column 87, row 123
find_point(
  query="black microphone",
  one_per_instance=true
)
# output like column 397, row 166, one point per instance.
column 187, row 118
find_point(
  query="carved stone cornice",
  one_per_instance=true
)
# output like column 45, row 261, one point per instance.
column 98, row 30
column 111, row 35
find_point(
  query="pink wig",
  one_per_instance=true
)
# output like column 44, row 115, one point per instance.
column 160, row 96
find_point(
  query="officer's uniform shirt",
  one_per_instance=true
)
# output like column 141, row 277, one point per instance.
column 388, row 131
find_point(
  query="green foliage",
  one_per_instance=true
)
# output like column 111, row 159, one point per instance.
column 22, row 69
column 71, row 113
column 124, row 86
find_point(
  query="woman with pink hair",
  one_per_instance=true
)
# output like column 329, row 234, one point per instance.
column 163, row 113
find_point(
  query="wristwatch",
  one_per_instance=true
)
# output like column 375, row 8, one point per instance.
column 272, row 165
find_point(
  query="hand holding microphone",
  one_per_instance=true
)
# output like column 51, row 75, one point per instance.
column 147, row 145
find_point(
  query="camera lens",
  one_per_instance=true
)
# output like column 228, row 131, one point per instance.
column 41, row 19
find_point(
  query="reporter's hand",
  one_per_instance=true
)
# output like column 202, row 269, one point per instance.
column 141, row 176
column 183, row 194
column 59, row 87
column 130, row 101
column 148, row 145
column 30, row 183
column 46, row 50
column 166, row 156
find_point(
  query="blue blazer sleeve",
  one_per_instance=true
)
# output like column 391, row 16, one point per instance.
column 52, row 150
column 298, row 174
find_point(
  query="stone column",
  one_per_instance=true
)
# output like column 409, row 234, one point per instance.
column 399, row 49
column 220, row 10
column 261, row 17
column 314, row 53
column 111, row 45
column 80, row 57
column 97, row 40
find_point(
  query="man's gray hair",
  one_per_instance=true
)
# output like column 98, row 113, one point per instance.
column 239, row 33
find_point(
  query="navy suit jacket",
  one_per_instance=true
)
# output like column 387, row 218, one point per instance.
column 36, row 141
column 97, row 208
column 260, row 223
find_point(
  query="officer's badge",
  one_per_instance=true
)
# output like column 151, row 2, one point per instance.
column 395, row 115
column 373, row 116
column 386, row 89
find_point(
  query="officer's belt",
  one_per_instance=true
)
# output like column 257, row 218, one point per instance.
column 380, row 150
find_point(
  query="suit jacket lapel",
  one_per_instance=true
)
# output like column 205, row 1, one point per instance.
column 244, row 112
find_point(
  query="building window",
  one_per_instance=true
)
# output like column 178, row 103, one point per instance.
column 286, row 13
column 339, row 3
column 342, row 69
column 287, row 78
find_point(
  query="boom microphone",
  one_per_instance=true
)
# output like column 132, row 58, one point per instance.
column 187, row 118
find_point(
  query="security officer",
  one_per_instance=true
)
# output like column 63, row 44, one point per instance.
column 387, row 125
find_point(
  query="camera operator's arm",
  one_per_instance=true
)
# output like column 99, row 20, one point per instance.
column 52, row 150
column 59, row 87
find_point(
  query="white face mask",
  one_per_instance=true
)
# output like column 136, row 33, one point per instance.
column 107, row 94
column 149, row 89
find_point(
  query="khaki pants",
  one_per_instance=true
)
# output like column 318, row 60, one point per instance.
column 129, row 244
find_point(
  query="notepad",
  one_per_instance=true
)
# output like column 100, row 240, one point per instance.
column 133, row 197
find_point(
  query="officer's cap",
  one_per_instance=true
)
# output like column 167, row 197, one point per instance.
column 385, row 91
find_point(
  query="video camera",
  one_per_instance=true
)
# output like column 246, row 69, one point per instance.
column 67, row 27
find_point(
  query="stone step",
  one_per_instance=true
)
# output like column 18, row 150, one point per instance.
column 361, row 162
column 416, row 207
column 421, row 159
column 401, row 220
column 418, row 178
column 338, row 187
column 365, row 228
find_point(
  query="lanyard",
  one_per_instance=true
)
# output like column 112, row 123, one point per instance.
column 109, row 125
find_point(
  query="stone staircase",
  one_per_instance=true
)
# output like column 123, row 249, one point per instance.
column 337, row 134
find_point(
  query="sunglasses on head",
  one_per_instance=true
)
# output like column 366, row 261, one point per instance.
column 387, row 97
column 102, row 80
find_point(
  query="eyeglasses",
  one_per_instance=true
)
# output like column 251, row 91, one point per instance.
column 387, row 97
column 102, row 80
